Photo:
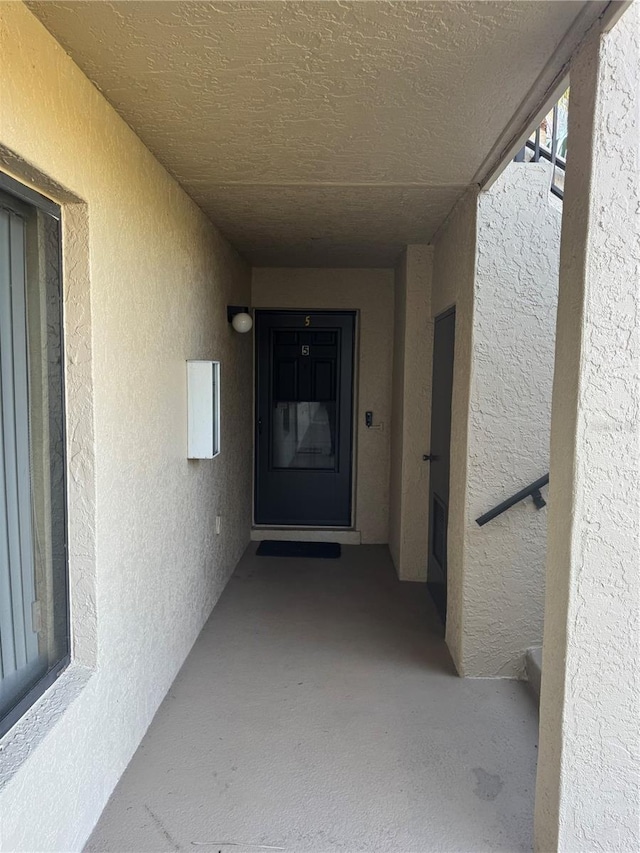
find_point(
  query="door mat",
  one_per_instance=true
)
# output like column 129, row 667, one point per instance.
column 279, row 548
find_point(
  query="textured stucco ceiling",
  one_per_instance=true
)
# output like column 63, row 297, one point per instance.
column 316, row 133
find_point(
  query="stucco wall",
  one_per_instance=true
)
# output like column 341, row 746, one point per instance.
column 588, row 785
column 397, row 407
column 160, row 277
column 411, row 413
column 515, row 301
column 370, row 292
column 453, row 278
column 496, row 259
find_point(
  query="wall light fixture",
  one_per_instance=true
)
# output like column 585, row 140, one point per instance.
column 239, row 318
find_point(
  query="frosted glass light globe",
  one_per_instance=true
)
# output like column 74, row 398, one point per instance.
column 242, row 322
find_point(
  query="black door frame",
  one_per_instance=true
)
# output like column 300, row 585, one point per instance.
column 438, row 586
column 351, row 432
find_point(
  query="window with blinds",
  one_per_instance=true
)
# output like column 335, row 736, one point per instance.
column 34, row 612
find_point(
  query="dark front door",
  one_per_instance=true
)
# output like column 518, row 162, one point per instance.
column 304, row 402
column 442, row 386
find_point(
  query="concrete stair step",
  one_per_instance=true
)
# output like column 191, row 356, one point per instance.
column 533, row 670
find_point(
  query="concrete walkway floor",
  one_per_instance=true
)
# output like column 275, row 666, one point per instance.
column 319, row 711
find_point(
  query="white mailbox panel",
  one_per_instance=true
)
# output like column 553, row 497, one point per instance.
column 203, row 403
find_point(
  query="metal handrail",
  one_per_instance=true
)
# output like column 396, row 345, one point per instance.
column 532, row 490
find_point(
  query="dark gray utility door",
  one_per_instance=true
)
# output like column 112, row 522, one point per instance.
column 304, row 403
column 442, row 386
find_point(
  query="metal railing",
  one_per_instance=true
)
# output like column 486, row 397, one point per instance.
column 549, row 142
column 532, row 491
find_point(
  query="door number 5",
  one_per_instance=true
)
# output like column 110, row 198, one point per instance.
column 307, row 320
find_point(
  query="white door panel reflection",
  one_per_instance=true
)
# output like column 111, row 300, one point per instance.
column 304, row 435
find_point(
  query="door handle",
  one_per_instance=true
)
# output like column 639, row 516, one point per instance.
column 429, row 457
column 259, row 426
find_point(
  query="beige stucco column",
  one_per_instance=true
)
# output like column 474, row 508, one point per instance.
column 588, row 786
column 411, row 413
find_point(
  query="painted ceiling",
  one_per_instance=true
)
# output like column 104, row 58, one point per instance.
column 318, row 132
